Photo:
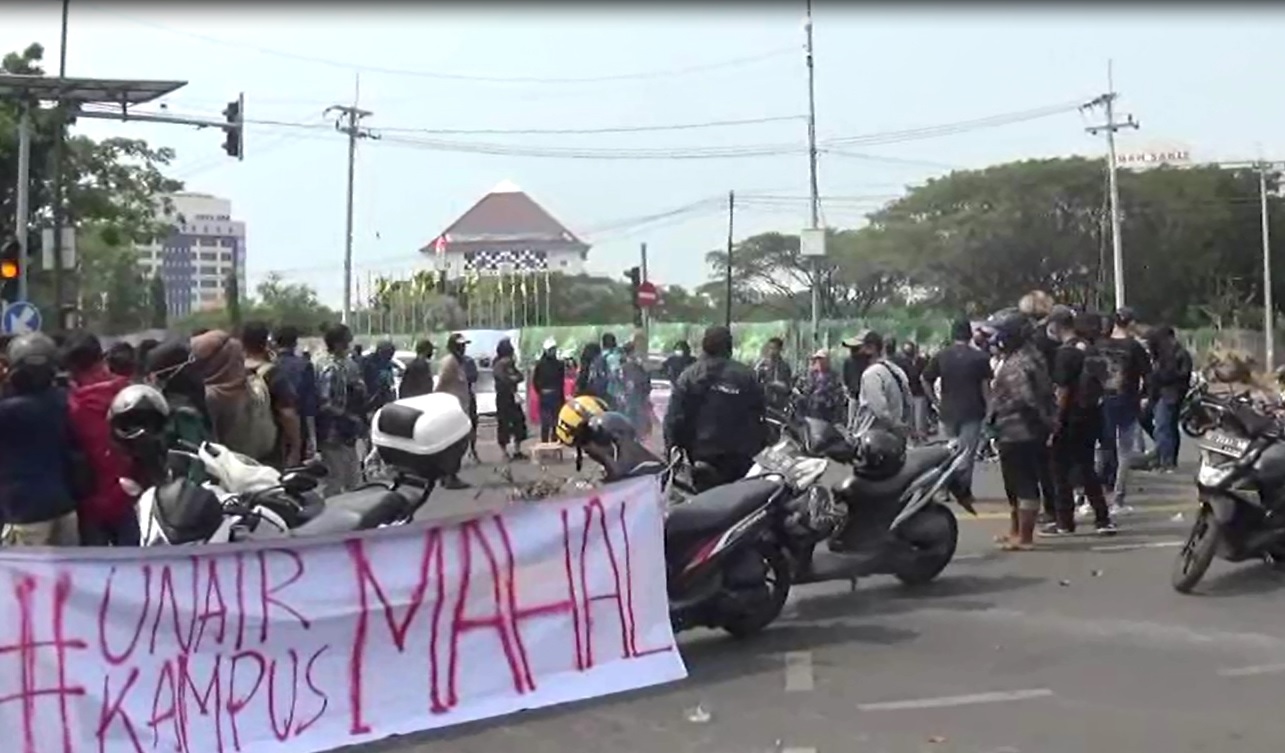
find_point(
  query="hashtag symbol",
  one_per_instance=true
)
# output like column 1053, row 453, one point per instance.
column 29, row 647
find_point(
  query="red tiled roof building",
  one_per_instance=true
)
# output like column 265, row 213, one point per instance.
column 506, row 231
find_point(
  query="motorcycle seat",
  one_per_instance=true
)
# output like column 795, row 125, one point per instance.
column 330, row 521
column 918, row 460
column 374, row 506
column 719, row 507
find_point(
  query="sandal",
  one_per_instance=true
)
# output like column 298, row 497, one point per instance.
column 1016, row 546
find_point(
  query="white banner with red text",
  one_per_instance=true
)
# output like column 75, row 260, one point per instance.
column 299, row 645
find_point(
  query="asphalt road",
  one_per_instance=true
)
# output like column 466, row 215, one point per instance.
column 1081, row 646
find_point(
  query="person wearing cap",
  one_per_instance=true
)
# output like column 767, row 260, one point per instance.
column 1127, row 369
column 822, row 392
column 853, row 367
column 418, row 378
column 716, row 410
column 884, row 393
column 452, row 380
column 548, row 379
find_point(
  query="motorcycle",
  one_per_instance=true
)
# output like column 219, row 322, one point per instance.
column 726, row 568
column 897, row 526
column 1241, row 487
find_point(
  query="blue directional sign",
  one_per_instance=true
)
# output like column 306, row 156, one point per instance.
column 20, row 318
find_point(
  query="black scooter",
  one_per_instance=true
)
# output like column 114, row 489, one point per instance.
column 895, row 526
column 1241, row 485
column 726, row 567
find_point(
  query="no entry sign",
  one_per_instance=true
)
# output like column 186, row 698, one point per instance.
column 647, row 295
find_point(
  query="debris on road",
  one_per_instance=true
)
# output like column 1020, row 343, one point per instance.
column 698, row 715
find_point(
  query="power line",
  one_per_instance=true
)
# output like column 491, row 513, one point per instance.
column 587, row 131
column 385, row 70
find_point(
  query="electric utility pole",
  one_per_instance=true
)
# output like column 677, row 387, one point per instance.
column 60, row 139
column 1110, row 127
column 731, row 244
column 1269, row 308
column 348, row 123
column 814, row 192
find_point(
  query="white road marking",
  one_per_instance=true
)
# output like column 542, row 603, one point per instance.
column 1131, row 547
column 799, row 750
column 966, row 557
column 798, row 671
column 957, row 700
column 1258, row 669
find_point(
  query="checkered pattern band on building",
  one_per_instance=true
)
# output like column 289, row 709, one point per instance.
column 527, row 260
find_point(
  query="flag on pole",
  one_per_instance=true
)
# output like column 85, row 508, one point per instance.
column 439, row 245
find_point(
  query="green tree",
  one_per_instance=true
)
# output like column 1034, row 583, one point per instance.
column 159, row 304
column 111, row 303
column 296, row 304
column 115, row 185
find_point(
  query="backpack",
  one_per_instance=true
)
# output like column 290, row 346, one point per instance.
column 1116, row 362
column 257, row 432
column 1093, row 377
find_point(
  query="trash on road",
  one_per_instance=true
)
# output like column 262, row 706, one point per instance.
column 698, row 715
column 1096, row 573
column 1178, row 518
column 1064, row 583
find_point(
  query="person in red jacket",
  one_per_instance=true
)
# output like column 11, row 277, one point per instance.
column 107, row 515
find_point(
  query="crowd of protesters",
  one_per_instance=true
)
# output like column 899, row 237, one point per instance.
column 1065, row 395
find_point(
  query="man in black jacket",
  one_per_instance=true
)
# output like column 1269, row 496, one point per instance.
column 418, row 378
column 716, row 409
column 548, row 378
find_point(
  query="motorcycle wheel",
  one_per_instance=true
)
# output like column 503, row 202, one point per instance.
column 1197, row 553
column 765, row 612
column 934, row 534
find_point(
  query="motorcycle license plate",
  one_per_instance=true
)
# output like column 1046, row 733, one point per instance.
column 1226, row 444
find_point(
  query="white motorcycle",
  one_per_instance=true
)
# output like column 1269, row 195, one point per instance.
column 420, row 439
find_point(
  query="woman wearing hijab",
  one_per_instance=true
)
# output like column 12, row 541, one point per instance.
column 237, row 400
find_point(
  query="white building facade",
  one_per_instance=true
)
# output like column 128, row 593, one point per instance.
column 199, row 255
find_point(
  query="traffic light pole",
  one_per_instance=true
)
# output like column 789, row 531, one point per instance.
column 22, row 220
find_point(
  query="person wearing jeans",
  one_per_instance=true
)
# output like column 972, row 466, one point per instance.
column 1167, row 438
column 1169, row 384
column 1127, row 369
column 964, row 373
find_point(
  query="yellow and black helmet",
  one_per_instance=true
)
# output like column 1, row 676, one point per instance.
column 574, row 417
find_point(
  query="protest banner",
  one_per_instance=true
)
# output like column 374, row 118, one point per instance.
column 298, row 645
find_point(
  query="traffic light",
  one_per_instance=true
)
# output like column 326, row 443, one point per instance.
column 10, row 269
column 235, row 129
column 634, row 274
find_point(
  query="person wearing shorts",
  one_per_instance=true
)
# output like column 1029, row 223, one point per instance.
column 1021, row 418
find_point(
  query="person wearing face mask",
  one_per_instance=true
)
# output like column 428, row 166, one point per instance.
column 453, row 380
column 821, row 391
column 1079, row 374
column 678, row 362
column 1020, row 416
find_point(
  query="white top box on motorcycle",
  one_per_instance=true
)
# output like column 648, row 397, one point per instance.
column 424, row 436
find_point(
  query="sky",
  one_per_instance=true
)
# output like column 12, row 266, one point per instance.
column 1202, row 79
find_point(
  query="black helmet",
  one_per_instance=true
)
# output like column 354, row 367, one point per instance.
column 33, row 361
column 880, row 453
column 610, row 428
column 1010, row 330
column 138, row 411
